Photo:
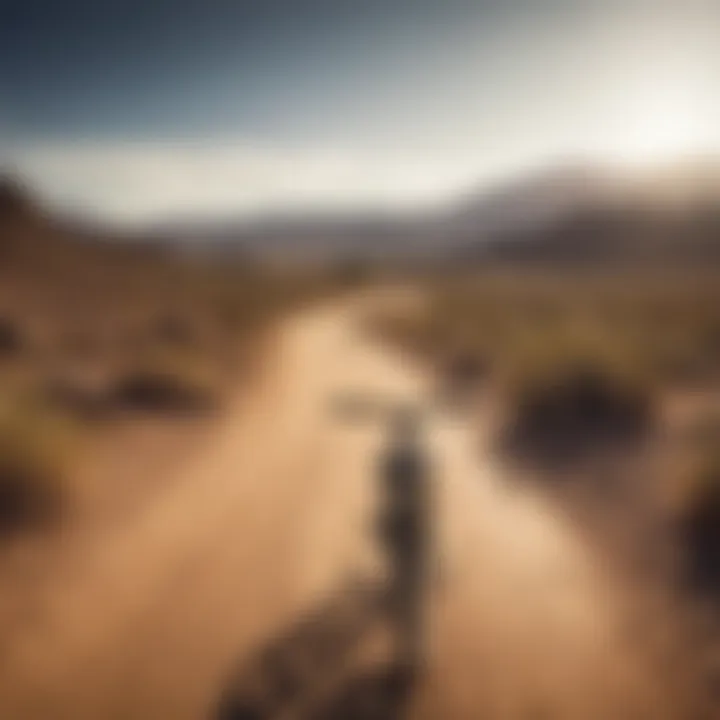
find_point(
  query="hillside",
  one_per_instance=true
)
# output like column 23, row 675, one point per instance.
column 110, row 337
column 575, row 212
column 587, row 215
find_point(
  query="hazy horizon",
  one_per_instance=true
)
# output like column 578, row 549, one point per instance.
column 149, row 111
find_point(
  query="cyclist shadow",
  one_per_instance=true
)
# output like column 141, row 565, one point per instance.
column 383, row 694
column 306, row 672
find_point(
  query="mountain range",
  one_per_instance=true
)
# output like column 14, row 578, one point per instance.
column 572, row 212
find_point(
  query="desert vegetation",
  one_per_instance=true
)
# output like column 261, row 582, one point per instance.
column 692, row 486
column 99, row 332
column 629, row 334
column 602, row 387
column 37, row 450
column 580, row 364
column 663, row 325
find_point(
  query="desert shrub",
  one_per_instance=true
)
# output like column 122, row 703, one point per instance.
column 37, row 448
column 11, row 337
column 667, row 325
column 699, row 521
column 166, row 384
column 565, row 409
column 80, row 344
column 692, row 492
column 175, row 330
column 76, row 397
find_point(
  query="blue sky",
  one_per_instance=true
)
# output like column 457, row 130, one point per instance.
column 136, row 110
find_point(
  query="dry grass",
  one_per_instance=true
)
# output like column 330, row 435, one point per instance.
column 666, row 325
column 694, row 500
column 95, row 328
column 167, row 382
column 578, row 359
column 11, row 339
column 539, row 332
column 37, row 451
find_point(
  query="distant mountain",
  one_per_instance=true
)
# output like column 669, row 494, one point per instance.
column 581, row 214
column 540, row 199
column 571, row 213
column 310, row 236
column 476, row 218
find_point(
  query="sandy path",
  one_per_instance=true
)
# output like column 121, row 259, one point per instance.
column 147, row 621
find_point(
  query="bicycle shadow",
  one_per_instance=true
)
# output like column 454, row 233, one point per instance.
column 307, row 671
column 383, row 694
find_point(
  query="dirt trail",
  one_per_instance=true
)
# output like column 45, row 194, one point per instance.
column 147, row 621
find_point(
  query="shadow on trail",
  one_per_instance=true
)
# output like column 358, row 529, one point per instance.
column 320, row 669
column 382, row 694
column 311, row 670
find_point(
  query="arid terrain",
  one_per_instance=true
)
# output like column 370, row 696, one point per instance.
column 190, row 485
column 359, row 360
column 147, row 618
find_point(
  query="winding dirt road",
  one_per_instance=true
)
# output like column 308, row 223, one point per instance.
column 147, row 622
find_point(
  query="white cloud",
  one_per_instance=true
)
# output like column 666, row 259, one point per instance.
column 131, row 183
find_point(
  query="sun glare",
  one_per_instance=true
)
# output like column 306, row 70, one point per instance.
column 666, row 119
column 661, row 137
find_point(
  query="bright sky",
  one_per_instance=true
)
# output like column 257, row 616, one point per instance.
column 142, row 110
